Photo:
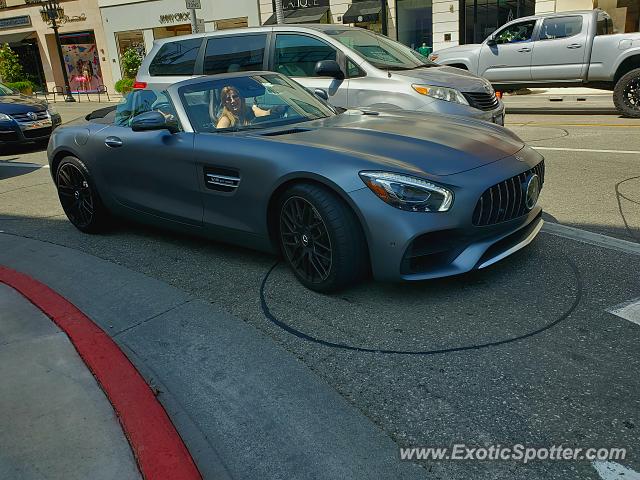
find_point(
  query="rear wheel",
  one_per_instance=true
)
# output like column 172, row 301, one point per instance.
column 626, row 94
column 78, row 196
column 321, row 238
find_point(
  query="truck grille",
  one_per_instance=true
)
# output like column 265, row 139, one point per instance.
column 24, row 117
column 506, row 200
column 482, row 101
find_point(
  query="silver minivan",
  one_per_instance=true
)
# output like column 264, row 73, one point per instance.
column 347, row 66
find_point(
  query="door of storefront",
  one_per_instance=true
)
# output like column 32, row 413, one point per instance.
column 415, row 22
column 29, row 56
column 480, row 18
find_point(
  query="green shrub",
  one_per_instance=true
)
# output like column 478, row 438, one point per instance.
column 10, row 68
column 124, row 85
column 130, row 61
column 24, row 86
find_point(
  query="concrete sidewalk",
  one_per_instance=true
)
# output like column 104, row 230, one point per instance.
column 244, row 407
column 578, row 101
column 55, row 421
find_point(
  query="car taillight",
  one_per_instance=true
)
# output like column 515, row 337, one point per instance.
column 139, row 85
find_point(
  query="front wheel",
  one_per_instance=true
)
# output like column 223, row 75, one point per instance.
column 78, row 196
column 626, row 94
column 321, row 238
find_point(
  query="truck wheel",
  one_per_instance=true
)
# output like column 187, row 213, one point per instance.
column 626, row 94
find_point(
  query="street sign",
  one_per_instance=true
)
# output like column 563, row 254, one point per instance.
column 200, row 25
column 193, row 4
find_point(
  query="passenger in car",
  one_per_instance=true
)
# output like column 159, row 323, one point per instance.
column 234, row 111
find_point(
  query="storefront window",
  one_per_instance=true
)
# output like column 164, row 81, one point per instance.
column 480, row 18
column 172, row 31
column 82, row 61
column 415, row 20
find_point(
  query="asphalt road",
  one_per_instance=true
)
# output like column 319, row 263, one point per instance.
column 523, row 352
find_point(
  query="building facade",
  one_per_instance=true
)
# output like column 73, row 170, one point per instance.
column 82, row 38
column 440, row 23
column 138, row 23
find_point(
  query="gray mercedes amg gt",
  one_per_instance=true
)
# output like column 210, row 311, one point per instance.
column 255, row 159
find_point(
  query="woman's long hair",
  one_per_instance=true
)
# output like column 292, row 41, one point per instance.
column 226, row 112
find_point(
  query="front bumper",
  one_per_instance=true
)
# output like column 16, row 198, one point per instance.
column 13, row 132
column 417, row 246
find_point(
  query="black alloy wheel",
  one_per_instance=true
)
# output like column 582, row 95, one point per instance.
column 77, row 196
column 305, row 240
column 321, row 238
column 626, row 94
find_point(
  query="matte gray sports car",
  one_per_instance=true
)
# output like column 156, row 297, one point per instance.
column 255, row 159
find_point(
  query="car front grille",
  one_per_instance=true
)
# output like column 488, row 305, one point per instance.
column 37, row 132
column 482, row 101
column 24, row 117
column 505, row 200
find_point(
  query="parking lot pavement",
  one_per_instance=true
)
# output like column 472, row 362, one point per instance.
column 526, row 351
column 56, row 422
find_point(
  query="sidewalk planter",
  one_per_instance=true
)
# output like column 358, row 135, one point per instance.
column 124, row 85
column 26, row 87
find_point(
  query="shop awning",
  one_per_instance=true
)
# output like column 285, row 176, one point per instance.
column 301, row 15
column 360, row 12
column 13, row 38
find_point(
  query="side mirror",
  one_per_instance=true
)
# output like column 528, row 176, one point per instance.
column 321, row 94
column 491, row 42
column 153, row 120
column 328, row 68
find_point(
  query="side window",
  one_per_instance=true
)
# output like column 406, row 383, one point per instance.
column 560, row 27
column 518, row 32
column 297, row 55
column 176, row 58
column 238, row 53
column 353, row 70
column 141, row 101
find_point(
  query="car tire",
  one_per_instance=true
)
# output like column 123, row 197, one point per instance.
column 79, row 197
column 321, row 238
column 626, row 94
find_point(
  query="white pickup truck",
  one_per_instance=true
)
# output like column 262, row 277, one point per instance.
column 557, row 50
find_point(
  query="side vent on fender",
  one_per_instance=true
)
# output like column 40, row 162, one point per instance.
column 221, row 179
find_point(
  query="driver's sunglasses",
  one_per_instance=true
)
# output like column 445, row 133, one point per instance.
column 231, row 97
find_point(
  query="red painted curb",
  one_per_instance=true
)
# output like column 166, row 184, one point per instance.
column 159, row 450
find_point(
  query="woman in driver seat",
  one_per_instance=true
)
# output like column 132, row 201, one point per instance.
column 234, row 109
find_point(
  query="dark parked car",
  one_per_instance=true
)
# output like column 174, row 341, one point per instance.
column 25, row 119
column 255, row 159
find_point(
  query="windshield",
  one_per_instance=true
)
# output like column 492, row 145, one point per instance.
column 380, row 51
column 249, row 102
column 4, row 91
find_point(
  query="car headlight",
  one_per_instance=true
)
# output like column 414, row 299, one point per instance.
column 408, row 193
column 4, row 117
column 441, row 93
column 52, row 110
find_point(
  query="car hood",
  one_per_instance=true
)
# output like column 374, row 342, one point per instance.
column 10, row 104
column 414, row 142
column 445, row 76
column 469, row 47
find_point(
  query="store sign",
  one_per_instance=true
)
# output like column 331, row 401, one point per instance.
column 175, row 17
column 13, row 22
column 76, row 18
column 298, row 4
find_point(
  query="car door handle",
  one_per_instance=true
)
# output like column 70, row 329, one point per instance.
column 524, row 49
column 575, row 45
column 113, row 142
